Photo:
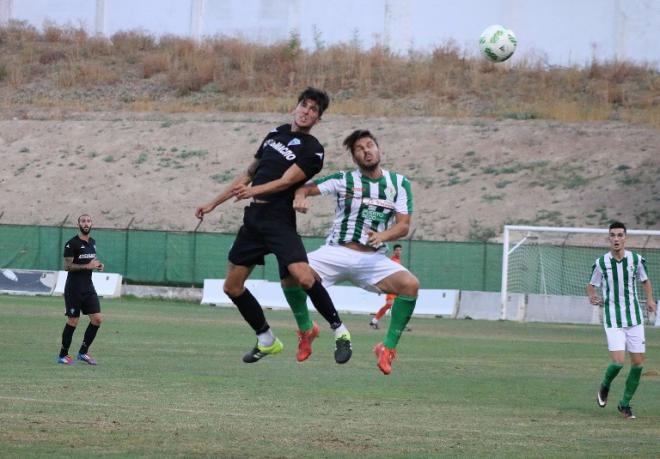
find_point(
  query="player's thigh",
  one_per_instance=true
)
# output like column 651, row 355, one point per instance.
column 248, row 248
column 72, row 304
column 400, row 283
column 635, row 339
column 333, row 264
column 616, row 339
column 90, row 304
column 382, row 274
column 283, row 240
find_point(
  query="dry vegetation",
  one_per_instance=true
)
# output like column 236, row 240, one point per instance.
column 65, row 68
column 145, row 127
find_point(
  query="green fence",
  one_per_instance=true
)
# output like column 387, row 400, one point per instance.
column 187, row 258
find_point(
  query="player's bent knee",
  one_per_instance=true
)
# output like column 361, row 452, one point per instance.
column 306, row 282
column 289, row 281
column 637, row 359
column 232, row 291
column 410, row 286
column 73, row 321
column 302, row 274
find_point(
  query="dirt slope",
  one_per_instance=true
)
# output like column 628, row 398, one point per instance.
column 469, row 176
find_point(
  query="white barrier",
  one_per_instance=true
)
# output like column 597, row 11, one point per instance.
column 561, row 309
column 212, row 293
column 437, row 302
column 345, row 298
column 486, row 306
column 107, row 285
column 27, row 281
column 270, row 295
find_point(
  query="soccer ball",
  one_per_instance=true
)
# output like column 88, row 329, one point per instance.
column 497, row 43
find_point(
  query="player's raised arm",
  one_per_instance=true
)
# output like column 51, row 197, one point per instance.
column 300, row 202
column 228, row 191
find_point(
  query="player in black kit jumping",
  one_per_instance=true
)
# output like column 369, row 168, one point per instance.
column 79, row 293
column 287, row 158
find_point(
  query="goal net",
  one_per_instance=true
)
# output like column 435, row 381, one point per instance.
column 558, row 261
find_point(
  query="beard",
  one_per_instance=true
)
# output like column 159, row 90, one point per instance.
column 85, row 231
column 370, row 167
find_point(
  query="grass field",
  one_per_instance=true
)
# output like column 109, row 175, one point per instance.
column 170, row 383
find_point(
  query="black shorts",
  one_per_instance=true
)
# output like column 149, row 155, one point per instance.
column 77, row 302
column 268, row 230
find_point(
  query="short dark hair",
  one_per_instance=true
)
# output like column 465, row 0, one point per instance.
column 618, row 224
column 349, row 141
column 317, row 95
column 397, row 246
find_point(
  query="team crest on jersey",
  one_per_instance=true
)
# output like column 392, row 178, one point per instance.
column 390, row 193
column 294, row 141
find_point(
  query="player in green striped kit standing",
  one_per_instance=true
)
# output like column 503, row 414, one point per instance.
column 617, row 273
column 373, row 206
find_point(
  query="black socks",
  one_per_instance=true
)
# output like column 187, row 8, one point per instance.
column 251, row 311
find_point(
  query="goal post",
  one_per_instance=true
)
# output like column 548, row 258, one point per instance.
column 549, row 260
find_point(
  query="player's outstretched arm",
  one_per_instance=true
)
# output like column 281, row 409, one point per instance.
column 227, row 192
column 300, row 202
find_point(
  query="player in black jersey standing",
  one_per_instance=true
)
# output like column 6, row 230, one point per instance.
column 287, row 158
column 79, row 293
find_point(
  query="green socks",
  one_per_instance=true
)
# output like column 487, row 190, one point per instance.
column 612, row 370
column 402, row 310
column 631, row 384
column 297, row 299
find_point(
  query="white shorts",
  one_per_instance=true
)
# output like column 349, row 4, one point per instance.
column 335, row 263
column 629, row 339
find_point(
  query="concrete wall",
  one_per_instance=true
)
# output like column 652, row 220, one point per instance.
column 486, row 306
column 562, row 309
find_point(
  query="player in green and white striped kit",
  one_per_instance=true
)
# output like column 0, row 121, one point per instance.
column 373, row 206
column 617, row 273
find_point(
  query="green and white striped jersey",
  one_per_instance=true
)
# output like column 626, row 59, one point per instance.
column 364, row 204
column 618, row 280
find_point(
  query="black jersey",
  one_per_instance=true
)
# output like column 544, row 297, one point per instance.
column 82, row 252
column 280, row 150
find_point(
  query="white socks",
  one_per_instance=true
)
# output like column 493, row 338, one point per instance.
column 341, row 330
column 266, row 338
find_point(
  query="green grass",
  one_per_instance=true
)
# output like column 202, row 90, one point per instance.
column 171, row 383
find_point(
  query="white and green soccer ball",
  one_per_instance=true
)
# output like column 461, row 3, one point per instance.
column 497, row 43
